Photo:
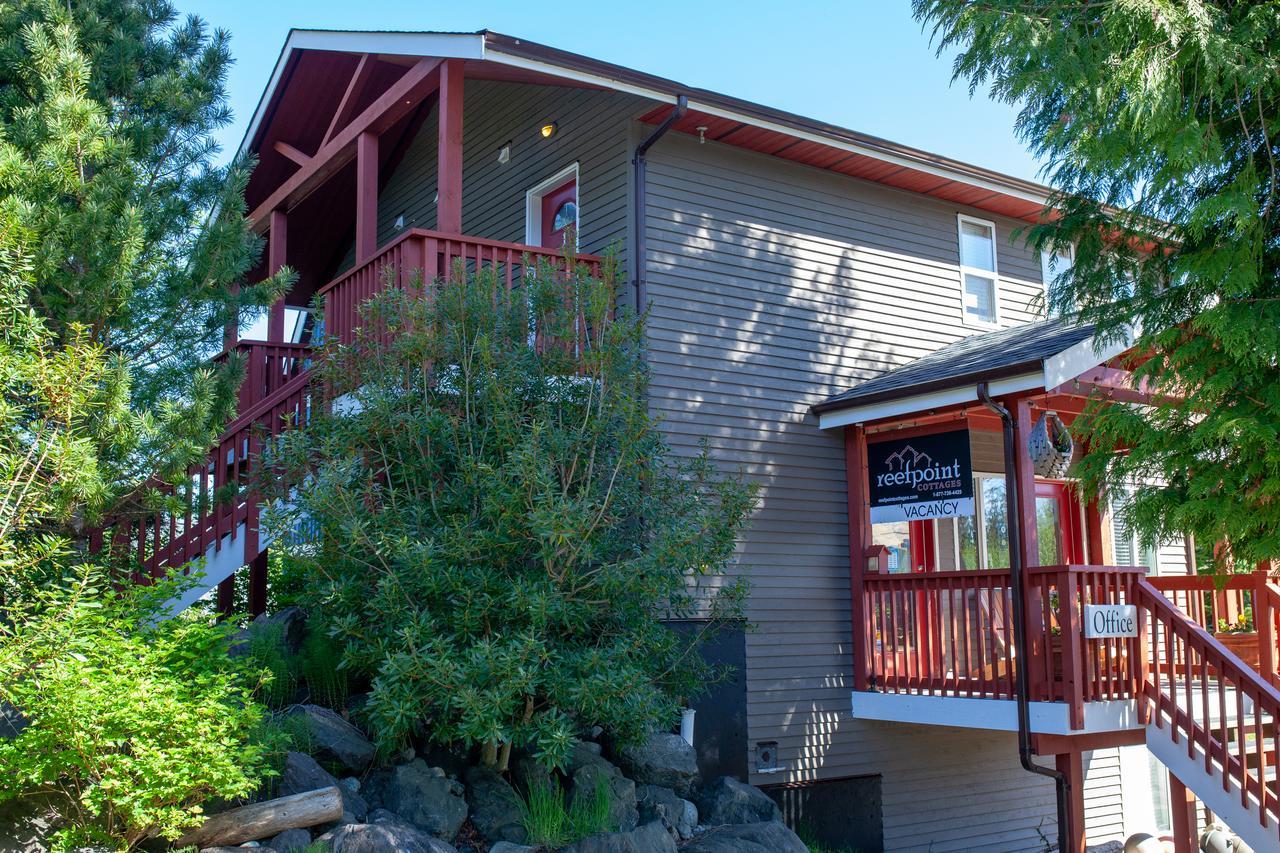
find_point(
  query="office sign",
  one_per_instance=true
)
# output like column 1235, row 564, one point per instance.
column 1102, row 621
column 928, row 476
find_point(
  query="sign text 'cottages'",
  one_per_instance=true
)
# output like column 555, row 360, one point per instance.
column 926, row 476
column 1110, row 620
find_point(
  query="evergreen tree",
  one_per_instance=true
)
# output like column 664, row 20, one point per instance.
column 122, row 240
column 1159, row 123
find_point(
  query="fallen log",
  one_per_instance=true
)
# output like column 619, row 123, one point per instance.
column 262, row 820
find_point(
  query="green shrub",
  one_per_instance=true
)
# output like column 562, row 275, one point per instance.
column 494, row 533
column 551, row 822
column 134, row 721
column 267, row 652
column 319, row 664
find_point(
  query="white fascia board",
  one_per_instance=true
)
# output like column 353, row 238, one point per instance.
column 1075, row 360
column 445, row 45
column 922, row 403
column 601, row 80
column 1001, row 715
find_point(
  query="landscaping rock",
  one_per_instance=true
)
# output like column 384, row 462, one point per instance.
column 302, row 773
column 666, row 760
column 335, row 738
column 495, row 806
column 290, row 840
column 729, row 802
column 27, row 824
column 421, row 795
column 508, row 847
column 386, row 833
column 12, row 721
column 291, row 623
column 663, row 804
column 528, row 773
column 764, row 837
column 650, row 838
column 591, row 772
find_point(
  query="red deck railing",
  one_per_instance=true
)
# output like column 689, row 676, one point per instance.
column 206, row 511
column 421, row 255
column 951, row 634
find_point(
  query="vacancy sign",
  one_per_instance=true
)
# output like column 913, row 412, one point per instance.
column 1102, row 621
column 926, row 476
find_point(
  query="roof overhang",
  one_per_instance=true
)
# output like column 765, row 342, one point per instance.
column 1040, row 376
column 931, row 172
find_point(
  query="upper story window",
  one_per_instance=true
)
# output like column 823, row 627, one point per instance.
column 978, row 274
column 1054, row 265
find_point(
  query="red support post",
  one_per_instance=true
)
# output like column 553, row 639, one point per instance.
column 276, row 244
column 1183, row 804
column 366, row 197
column 1264, row 623
column 1071, row 765
column 258, row 584
column 855, row 461
column 1037, row 641
column 449, row 157
column 227, row 597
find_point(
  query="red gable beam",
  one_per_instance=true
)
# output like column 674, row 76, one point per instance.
column 394, row 104
column 292, row 153
column 348, row 103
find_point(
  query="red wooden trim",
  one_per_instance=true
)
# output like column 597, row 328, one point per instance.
column 395, row 103
column 1044, row 744
column 449, row 156
column 291, row 153
column 1183, row 804
column 354, row 87
column 227, row 596
column 366, row 197
column 859, row 516
column 258, row 585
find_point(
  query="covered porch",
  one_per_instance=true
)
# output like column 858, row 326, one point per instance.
column 940, row 507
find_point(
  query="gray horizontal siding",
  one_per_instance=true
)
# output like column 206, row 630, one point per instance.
column 772, row 286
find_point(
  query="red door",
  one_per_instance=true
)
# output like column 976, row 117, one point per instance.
column 1058, row 525
column 559, row 212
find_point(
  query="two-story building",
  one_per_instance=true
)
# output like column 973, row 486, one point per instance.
column 816, row 299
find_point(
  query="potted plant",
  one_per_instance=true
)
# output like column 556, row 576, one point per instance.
column 1241, row 638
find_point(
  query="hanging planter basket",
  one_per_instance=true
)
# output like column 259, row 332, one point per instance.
column 1049, row 447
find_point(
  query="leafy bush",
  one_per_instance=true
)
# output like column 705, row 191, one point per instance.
column 552, row 823
column 134, row 722
column 494, row 530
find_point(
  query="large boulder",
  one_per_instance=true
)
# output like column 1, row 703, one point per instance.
column 729, row 801
column 289, row 625
column 508, row 847
column 290, row 840
column 301, row 773
column 765, row 837
column 664, row 759
column 495, row 807
column 665, row 805
column 385, row 833
column 421, row 795
column 590, row 772
column 335, row 739
column 27, row 824
column 650, row 838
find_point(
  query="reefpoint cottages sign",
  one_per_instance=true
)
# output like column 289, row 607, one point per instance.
column 927, row 476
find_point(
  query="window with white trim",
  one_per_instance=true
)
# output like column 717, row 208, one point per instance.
column 1053, row 265
column 978, row 273
column 1128, row 548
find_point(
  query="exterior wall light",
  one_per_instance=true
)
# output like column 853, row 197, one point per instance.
column 504, row 153
column 549, row 129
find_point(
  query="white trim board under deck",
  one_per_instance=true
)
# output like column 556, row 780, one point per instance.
column 1050, row 718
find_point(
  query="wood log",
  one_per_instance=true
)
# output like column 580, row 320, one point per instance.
column 262, row 820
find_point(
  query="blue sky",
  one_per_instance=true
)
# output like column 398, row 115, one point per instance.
column 862, row 64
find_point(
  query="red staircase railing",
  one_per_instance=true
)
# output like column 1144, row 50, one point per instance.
column 268, row 366
column 1224, row 602
column 1207, row 698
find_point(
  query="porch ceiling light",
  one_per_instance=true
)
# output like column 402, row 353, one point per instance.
column 549, row 129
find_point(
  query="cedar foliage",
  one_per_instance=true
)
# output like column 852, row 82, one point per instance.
column 494, row 530
column 1158, row 122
